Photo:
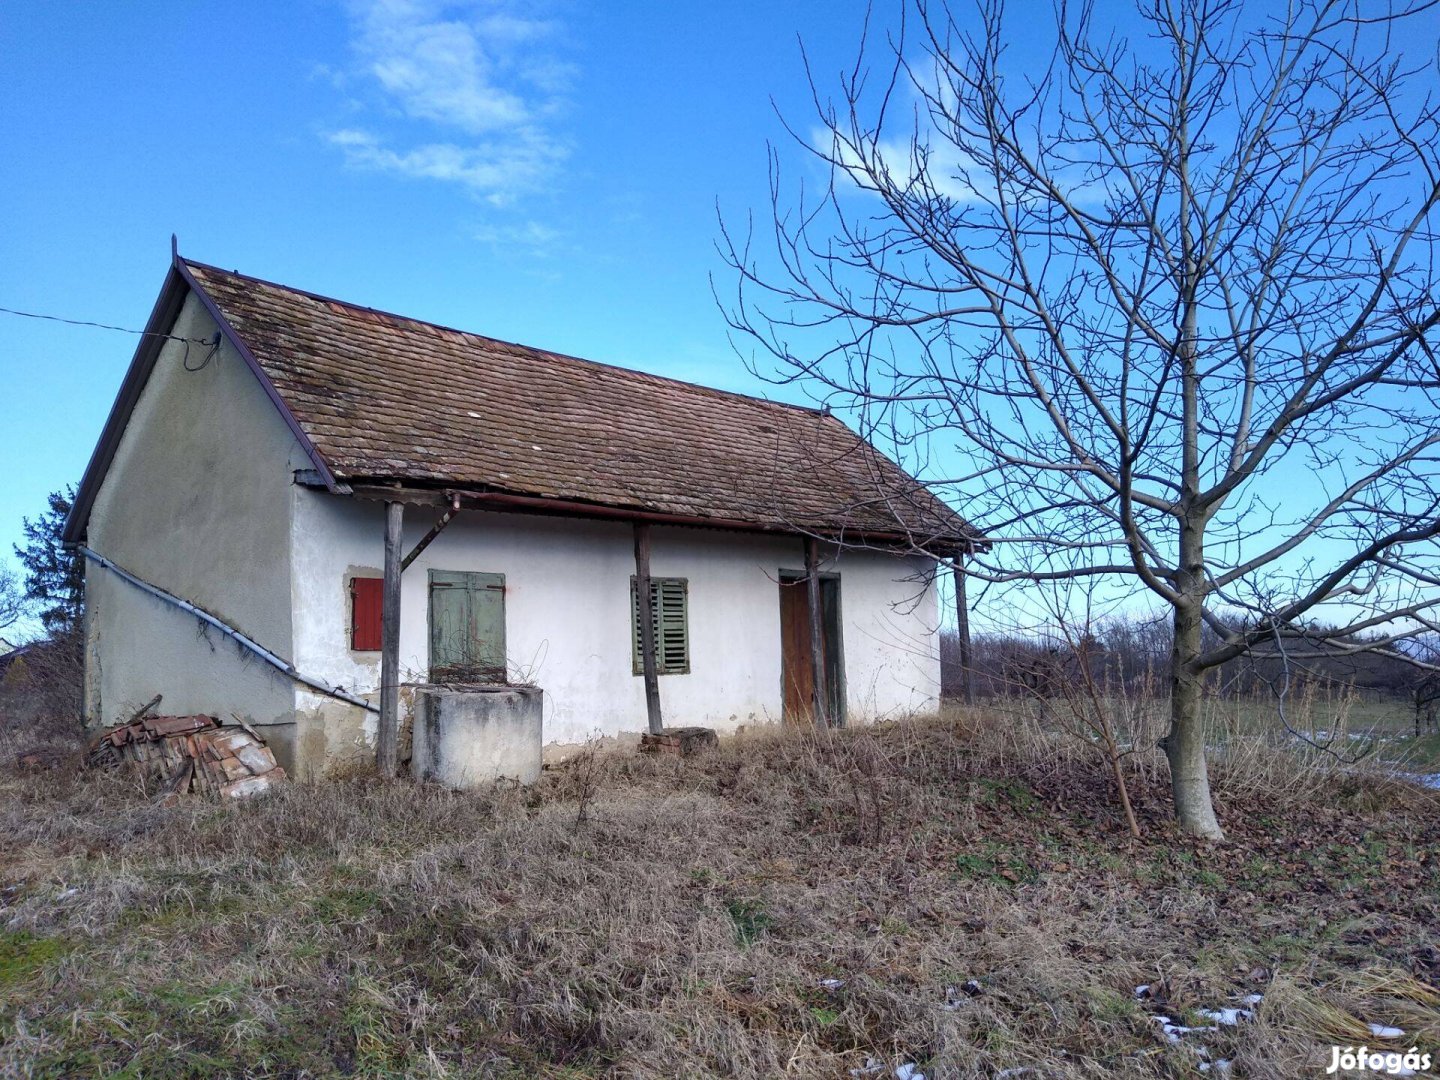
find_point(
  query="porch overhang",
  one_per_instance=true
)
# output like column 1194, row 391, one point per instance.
column 377, row 490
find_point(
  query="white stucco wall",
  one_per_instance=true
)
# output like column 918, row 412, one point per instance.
column 567, row 616
column 195, row 502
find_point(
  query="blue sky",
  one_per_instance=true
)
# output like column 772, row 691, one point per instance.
column 546, row 173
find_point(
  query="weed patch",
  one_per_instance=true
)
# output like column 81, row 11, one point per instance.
column 959, row 897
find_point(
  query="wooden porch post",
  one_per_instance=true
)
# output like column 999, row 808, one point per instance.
column 962, row 627
column 817, row 641
column 645, row 604
column 386, row 751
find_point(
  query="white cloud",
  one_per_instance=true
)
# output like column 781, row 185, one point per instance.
column 930, row 166
column 536, row 237
column 497, row 171
column 466, row 93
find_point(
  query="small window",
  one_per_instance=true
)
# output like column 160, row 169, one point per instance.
column 365, row 602
column 672, row 634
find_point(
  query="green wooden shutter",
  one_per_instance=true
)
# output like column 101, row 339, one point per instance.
column 467, row 626
column 672, row 639
column 670, row 597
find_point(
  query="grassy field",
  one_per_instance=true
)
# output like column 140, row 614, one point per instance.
column 1336, row 722
column 1349, row 726
column 953, row 897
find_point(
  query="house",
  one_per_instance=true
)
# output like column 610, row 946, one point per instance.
column 265, row 440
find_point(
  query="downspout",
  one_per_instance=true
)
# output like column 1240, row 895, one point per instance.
column 259, row 650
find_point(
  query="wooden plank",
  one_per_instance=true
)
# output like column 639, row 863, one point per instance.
column 646, row 604
column 817, row 631
column 145, row 709
column 425, row 540
column 386, row 745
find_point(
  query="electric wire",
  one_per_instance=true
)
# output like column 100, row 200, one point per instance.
column 212, row 343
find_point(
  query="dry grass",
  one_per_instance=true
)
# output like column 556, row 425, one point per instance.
column 656, row 918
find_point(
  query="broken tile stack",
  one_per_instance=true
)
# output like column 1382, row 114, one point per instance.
column 190, row 754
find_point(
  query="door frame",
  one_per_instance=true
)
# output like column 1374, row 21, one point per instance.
column 834, row 639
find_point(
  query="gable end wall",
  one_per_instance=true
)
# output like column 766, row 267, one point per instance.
column 197, row 502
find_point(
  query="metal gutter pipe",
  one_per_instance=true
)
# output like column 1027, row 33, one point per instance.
column 255, row 647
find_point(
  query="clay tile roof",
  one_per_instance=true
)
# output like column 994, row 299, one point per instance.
column 386, row 398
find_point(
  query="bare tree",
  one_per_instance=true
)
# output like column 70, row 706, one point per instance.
column 1162, row 309
column 12, row 598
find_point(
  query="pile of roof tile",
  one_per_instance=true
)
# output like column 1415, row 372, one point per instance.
column 190, row 754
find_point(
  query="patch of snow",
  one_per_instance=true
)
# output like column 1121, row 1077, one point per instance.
column 1380, row 1031
column 955, row 995
column 1173, row 1031
column 909, row 1071
column 1226, row 1017
column 1430, row 780
column 1252, row 1000
column 1221, row 1067
column 1143, row 990
column 832, row 984
column 68, row 893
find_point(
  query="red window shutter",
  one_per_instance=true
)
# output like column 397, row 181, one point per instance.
column 365, row 597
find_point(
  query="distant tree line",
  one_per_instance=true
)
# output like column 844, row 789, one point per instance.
column 1133, row 654
column 41, row 683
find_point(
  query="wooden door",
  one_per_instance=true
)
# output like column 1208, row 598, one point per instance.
column 467, row 627
column 797, row 668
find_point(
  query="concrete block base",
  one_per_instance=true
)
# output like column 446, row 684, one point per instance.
column 682, row 742
column 467, row 736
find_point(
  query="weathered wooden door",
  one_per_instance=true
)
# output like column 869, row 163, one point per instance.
column 467, row 627
column 797, row 669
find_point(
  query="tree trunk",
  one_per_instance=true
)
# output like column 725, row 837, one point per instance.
column 962, row 631
column 1185, row 743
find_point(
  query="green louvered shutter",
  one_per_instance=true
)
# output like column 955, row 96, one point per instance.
column 672, row 631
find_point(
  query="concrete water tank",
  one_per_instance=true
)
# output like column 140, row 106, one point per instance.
column 466, row 736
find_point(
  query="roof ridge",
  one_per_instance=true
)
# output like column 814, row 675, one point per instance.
column 324, row 299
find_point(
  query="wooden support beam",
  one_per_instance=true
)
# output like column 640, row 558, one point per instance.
column 386, row 749
column 646, row 607
column 817, row 639
column 425, row 540
column 962, row 626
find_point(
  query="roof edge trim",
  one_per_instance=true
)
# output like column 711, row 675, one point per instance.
column 306, row 443
column 162, row 315
column 179, row 282
column 935, row 544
